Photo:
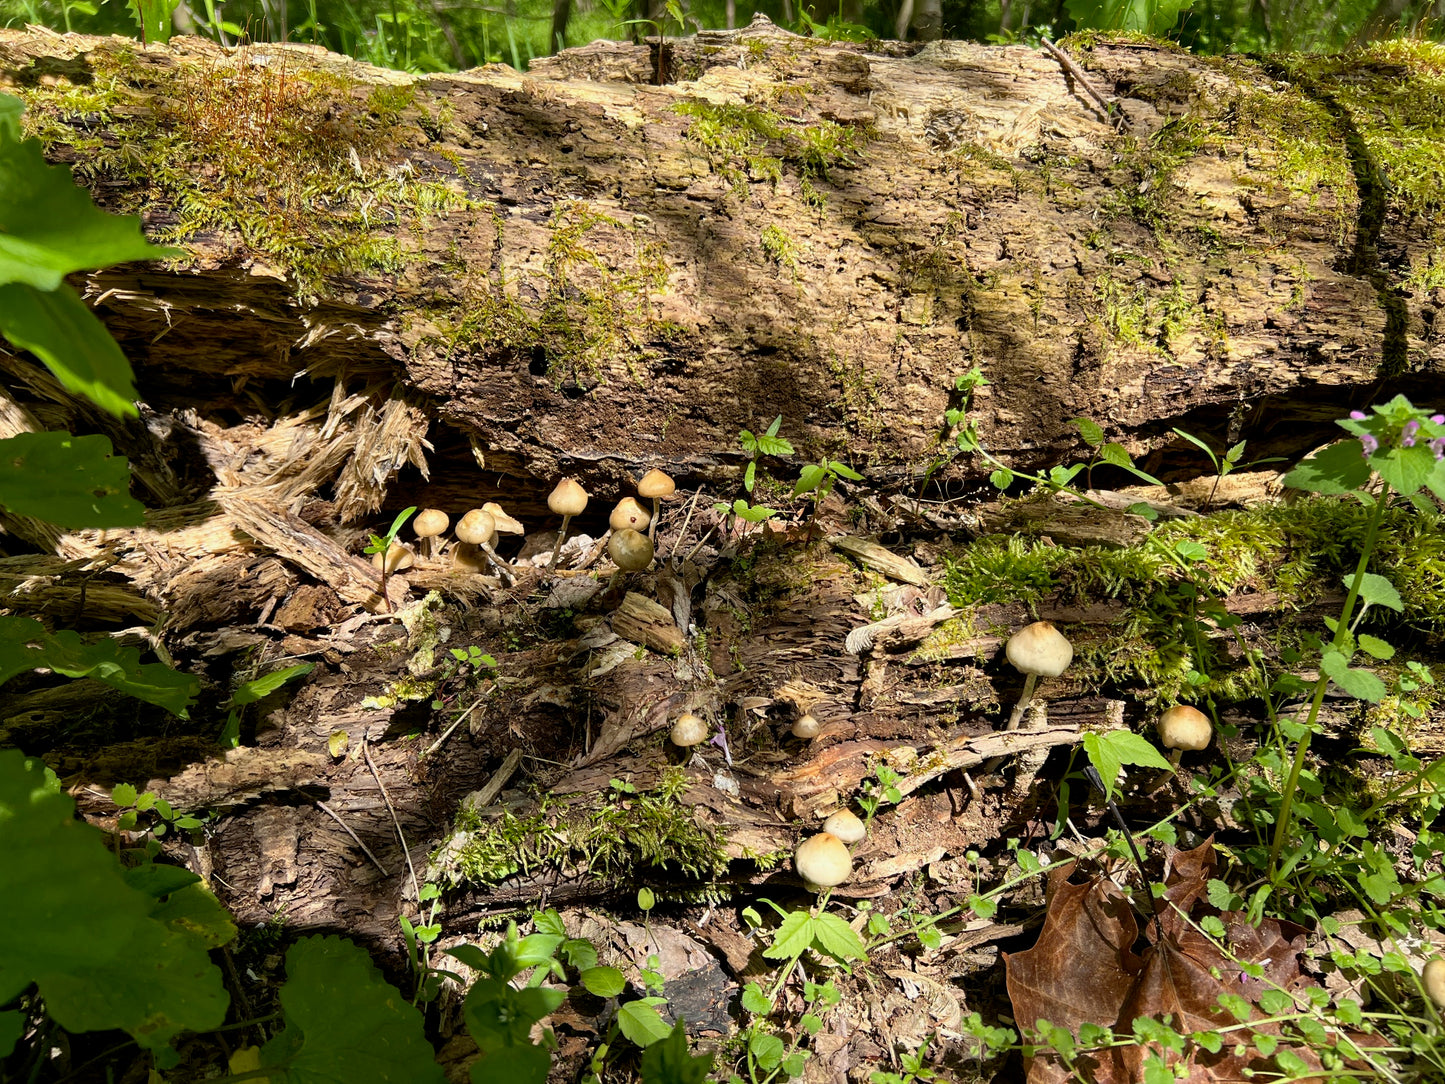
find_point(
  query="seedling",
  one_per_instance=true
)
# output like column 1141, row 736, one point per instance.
column 1228, row 464
column 381, row 544
column 817, row 481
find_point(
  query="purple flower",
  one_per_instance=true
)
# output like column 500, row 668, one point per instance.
column 1438, row 447
column 1407, row 434
column 1371, row 445
column 1438, row 419
column 1358, row 415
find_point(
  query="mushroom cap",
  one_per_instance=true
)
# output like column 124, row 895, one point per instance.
column 629, row 513
column 805, row 726
column 630, row 550
column 1433, row 979
column 689, row 730
column 396, row 558
column 846, row 826
column 1183, row 727
column 656, row 483
column 1039, row 649
column 504, row 524
column 469, row 558
column 823, row 860
column 430, row 522
column 476, row 526
column 568, row 499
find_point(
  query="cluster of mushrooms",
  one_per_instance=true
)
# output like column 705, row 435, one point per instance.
column 823, row 860
column 477, row 531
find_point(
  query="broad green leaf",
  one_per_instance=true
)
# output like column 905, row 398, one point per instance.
column 1155, row 17
column 104, row 954
column 642, row 1023
column 766, row 1049
column 25, row 645
column 1340, row 468
column 153, row 17
column 1376, row 647
column 603, row 981
column 548, row 921
column 344, row 1022
column 837, row 938
column 49, row 227
column 123, row 794
column 11, row 110
column 793, row 937
column 1191, row 550
column 842, row 470
column 1090, row 430
column 1001, row 479
column 524, row 1064
column 264, row 686
column 1378, row 591
column 1109, row 752
column 1358, row 683
column 1116, row 455
column 58, row 328
column 755, row 1001
column 12, row 1026
column 67, row 480
column 670, row 1061
column 808, row 479
column 1206, row 449
column 1405, row 469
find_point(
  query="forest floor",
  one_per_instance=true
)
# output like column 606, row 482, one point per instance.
column 508, row 743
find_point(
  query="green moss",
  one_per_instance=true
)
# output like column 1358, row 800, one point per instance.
column 629, row 835
column 780, row 248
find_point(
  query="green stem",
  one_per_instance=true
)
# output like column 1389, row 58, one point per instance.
column 1342, row 630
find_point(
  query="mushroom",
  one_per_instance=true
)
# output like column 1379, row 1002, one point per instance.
column 398, row 556
column 1037, row 650
column 503, row 523
column 630, row 550
column 430, row 524
column 1183, row 727
column 823, row 861
column 806, row 727
column 629, row 513
column 846, row 826
column 655, row 484
column 478, row 528
column 567, row 500
column 1433, row 979
column 689, row 730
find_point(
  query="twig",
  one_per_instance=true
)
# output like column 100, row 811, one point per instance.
column 447, row 733
column 355, row 838
column 1112, row 114
column 405, row 850
column 687, row 520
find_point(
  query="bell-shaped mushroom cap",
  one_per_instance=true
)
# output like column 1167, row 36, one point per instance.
column 568, row 499
column 1039, row 649
column 398, row 557
column 476, row 527
column 823, row 860
column 1433, row 979
column 846, row 826
column 430, row 522
column 1183, row 727
column 656, row 483
column 629, row 513
column 630, row 550
column 689, row 730
column 806, row 727
column 503, row 523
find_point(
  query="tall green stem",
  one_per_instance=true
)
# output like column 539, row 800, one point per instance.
column 1342, row 630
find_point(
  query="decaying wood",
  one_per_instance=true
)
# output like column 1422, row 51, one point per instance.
column 643, row 621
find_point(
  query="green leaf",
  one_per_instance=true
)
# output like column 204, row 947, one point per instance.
column 70, row 481
column 750, row 476
column 261, row 687
column 1109, row 752
column 1340, row 468
column 769, row 445
column 669, row 1061
column 12, row 1026
column 1116, row 455
column 1405, row 469
column 1090, row 430
column 123, row 794
column 1155, row 17
column 1376, row 647
column 842, row 470
column 766, row 1049
column 1206, row 449
column 523, row 1064
column 808, row 479
column 1191, row 550
column 641, row 1023
column 1358, row 683
column 58, row 328
column 344, row 1022
column 646, row 899
column 25, row 645
column 153, row 17
column 103, row 953
column 603, row 981
column 835, row 937
column 752, row 513
column 1378, row 591
column 49, row 227
column 11, row 110
column 793, row 937
column 755, row 1001
column 1001, row 479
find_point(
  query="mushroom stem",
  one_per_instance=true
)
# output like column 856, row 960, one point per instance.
column 503, row 568
column 652, row 526
column 1017, row 715
column 561, row 536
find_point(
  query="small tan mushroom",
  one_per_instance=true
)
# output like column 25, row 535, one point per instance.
column 567, row 500
column 1433, row 979
column 430, row 524
column 1037, row 650
column 398, row 557
column 479, row 528
column 823, row 861
column 1183, row 727
column 630, row 550
column 655, row 484
column 806, row 727
column 504, row 523
column 846, row 826
column 629, row 513
column 689, row 730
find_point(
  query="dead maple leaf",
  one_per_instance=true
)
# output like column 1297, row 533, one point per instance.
column 1084, row 970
